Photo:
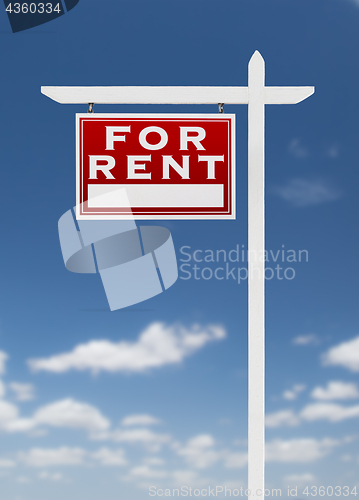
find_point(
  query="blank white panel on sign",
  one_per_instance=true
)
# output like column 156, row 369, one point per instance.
column 166, row 195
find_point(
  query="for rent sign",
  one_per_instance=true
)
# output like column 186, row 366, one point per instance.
column 170, row 166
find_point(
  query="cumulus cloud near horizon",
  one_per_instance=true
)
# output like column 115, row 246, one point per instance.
column 66, row 456
column 157, row 346
column 67, row 413
column 152, row 441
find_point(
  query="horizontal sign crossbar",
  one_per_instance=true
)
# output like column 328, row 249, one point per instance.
column 172, row 95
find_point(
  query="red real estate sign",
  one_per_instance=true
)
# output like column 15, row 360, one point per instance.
column 169, row 166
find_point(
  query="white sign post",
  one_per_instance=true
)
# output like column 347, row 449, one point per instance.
column 256, row 95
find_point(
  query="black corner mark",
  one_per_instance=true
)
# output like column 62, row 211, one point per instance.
column 24, row 15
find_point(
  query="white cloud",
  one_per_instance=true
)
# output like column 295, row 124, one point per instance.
column 297, row 149
column 235, row 460
column 305, row 340
column 329, row 411
column 283, row 418
column 23, row 480
column 2, row 389
column 187, row 477
column 292, row 394
column 157, row 346
column 300, row 479
column 72, row 414
column 65, row 456
column 8, row 413
column 145, row 472
column 141, row 419
column 154, row 461
column 39, row 457
column 336, row 390
column 299, row 450
column 7, row 464
column 67, row 413
column 23, row 392
column 20, row 425
column 225, row 421
column 199, row 451
column 304, row 193
column 108, row 457
column 145, row 437
column 55, row 476
column 332, row 151
column 3, row 358
column 345, row 354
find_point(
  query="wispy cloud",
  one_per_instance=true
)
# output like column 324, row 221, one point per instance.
column 302, row 450
column 297, row 148
column 2, row 389
column 202, row 452
column 142, row 419
column 47, row 457
column 159, row 345
column 199, row 452
column 330, row 412
column 293, row 393
column 8, row 414
column 336, row 390
column 3, row 358
column 300, row 479
column 65, row 456
column 7, row 464
column 51, row 476
column 302, row 193
column 146, row 472
column 108, row 457
column 23, row 392
column 310, row 339
column 151, row 441
column 345, row 355
column 333, row 150
column 282, row 418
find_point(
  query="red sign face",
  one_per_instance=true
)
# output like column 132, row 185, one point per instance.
column 155, row 166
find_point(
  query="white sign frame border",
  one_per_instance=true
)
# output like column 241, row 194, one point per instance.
column 232, row 175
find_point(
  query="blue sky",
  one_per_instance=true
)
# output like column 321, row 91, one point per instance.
column 70, row 430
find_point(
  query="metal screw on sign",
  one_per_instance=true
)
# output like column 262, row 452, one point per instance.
column 220, row 108
column 91, row 105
